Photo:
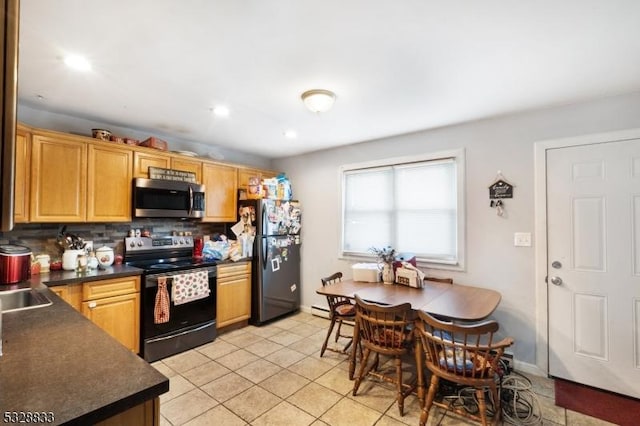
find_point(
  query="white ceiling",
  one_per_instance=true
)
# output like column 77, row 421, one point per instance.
column 396, row 66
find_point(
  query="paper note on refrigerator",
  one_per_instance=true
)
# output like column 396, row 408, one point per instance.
column 238, row 228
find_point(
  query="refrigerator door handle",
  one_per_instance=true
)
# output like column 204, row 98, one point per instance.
column 263, row 247
column 264, row 219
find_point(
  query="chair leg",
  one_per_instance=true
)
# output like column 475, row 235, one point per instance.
column 420, row 370
column 338, row 332
column 361, row 373
column 482, row 406
column 326, row 339
column 399, row 385
column 352, row 355
column 433, row 387
column 497, row 407
column 376, row 362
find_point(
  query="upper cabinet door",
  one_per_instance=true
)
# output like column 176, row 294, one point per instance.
column 186, row 165
column 109, row 183
column 58, row 180
column 22, row 176
column 244, row 173
column 221, row 188
column 142, row 161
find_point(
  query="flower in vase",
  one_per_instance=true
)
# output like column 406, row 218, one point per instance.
column 385, row 255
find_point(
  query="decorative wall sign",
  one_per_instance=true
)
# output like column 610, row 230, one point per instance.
column 170, row 174
column 500, row 189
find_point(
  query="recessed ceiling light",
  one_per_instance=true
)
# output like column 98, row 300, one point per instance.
column 290, row 134
column 221, row 111
column 77, row 62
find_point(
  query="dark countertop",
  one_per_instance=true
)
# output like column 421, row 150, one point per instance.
column 54, row 359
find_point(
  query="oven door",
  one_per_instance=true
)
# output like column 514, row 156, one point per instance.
column 190, row 324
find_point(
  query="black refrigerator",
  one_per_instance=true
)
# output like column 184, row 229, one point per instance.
column 275, row 271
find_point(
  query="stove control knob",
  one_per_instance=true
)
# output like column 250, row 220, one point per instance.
column 188, row 240
column 174, row 241
column 139, row 243
column 132, row 244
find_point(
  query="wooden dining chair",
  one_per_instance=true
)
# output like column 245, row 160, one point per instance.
column 340, row 309
column 462, row 354
column 384, row 330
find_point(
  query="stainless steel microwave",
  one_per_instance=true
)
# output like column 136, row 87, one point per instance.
column 167, row 198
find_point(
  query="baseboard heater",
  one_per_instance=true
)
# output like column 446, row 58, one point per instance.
column 320, row 311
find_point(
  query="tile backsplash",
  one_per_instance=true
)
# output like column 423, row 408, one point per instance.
column 41, row 238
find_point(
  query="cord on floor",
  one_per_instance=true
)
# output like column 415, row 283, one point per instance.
column 519, row 403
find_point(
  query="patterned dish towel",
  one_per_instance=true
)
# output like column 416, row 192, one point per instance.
column 161, row 309
column 189, row 287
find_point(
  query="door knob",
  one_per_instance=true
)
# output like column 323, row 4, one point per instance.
column 556, row 280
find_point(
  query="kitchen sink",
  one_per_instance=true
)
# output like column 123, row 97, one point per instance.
column 21, row 299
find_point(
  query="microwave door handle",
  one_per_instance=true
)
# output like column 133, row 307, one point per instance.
column 190, row 200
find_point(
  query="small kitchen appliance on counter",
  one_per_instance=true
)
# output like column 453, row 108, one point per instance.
column 168, row 324
column 15, row 263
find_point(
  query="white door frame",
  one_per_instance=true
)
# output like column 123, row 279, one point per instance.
column 540, row 227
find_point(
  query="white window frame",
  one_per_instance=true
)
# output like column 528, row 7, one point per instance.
column 458, row 156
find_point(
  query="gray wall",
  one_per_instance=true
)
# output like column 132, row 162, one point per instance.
column 31, row 116
column 503, row 143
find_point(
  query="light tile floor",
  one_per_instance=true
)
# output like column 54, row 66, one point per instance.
column 273, row 375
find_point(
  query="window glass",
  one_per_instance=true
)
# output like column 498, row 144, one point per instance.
column 412, row 206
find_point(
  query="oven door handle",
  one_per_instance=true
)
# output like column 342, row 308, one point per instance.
column 182, row 333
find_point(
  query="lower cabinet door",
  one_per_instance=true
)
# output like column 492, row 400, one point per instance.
column 119, row 316
column 234, row 300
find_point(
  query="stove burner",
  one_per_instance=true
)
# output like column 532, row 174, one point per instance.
column 163, row 266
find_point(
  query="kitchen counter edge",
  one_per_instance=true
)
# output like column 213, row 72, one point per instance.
column 54, row 278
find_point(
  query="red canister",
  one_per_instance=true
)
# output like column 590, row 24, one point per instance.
column 15, row 263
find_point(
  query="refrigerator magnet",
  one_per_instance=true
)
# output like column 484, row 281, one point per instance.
column 275, row 264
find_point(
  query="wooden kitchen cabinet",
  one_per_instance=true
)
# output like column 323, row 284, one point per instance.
column 75, row 180
column 114, row 306
column 244, row 173
column 58, row 179
column 221, row 192
column 70, row 293
column 234, row 293
column 187, row 165
column 22, row 175
column 109, row 178
column 143, row 159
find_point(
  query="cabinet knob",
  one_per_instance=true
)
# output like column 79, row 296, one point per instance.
column 92, row 305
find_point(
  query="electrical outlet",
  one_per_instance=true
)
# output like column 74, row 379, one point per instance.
column 522, row 239
column 88, row 246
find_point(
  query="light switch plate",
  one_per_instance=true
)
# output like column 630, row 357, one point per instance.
column 522, row 239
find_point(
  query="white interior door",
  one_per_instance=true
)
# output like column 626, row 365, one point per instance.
column 593, row 265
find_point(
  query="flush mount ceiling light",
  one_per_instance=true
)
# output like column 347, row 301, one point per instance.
column 318, row 100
